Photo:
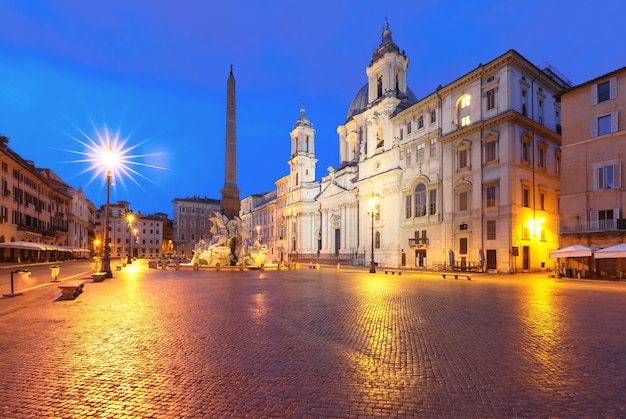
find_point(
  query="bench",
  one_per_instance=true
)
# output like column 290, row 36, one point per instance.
column 71, row 289
column 98, row 276
column 458, row 276
column 394, row 272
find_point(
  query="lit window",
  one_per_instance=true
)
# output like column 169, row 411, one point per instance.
column 465, row 101
column 465, row 120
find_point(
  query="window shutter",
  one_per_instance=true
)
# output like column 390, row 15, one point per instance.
column 593, row 220
column 594, row 127
column 614, row 121
column 616, row 214
column 617, row 175
column 613, row 87
column 594, row 94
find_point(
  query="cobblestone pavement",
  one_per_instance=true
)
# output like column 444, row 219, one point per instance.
column 315, row 343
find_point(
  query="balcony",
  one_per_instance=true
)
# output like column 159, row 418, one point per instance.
column 597, row 226
column 418, row 242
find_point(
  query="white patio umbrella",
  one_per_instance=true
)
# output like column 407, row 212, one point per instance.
column 574, row 251
column 617, row 251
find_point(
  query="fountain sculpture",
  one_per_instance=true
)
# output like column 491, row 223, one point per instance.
column 231, row 245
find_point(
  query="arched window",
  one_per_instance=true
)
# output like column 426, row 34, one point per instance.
column 420, row 200
column 380, row 86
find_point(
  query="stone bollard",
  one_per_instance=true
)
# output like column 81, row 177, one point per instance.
column 338, row 266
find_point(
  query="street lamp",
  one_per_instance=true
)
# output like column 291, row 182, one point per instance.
column 130, row 217
column 109, row 160
column 373, row 211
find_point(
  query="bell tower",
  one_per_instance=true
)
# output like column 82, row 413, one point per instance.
column 302, row 162
column 386, row 74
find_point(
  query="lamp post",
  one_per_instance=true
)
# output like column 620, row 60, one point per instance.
column 109, row 160
column 130, row 217
column 372, row 211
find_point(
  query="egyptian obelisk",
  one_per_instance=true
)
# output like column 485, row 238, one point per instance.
column 231, row 203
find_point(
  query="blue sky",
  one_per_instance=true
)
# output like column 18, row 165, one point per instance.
column 156, row 70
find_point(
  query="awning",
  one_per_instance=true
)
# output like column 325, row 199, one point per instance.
column 31, row 246
column 574, row 251
column 617, row 251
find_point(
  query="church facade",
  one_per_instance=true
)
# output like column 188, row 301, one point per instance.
column 468, row 175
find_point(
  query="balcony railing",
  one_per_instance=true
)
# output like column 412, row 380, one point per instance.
column 590, row 227
column 418, row 242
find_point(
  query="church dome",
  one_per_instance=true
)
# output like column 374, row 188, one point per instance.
column 359, row 103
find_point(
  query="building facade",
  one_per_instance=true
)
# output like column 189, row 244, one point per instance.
column 191, row 223
column 141, row 234
column 38, row 207
column 593, row 199
column 468, row 175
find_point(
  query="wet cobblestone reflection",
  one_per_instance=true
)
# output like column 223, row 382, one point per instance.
column 162, row 344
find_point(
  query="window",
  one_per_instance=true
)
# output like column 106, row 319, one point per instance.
column 491, row 229
column 525, row 196
column 465, row 120
column 408, row 128
column 420, row 200
column 603, row 91
column 465, row 101
column 525, row 232
column 542, row 200
column 463, row 158
column 491, row 151
column 409, row 153
column 491, row 99
column 463, row 245
column 542, row 157
column 463, row 201
column 433, row 147
column 420, row 122
column 490, row 196
column 376, row 240
column 408, row 206
column 433, row 116
column 463, row 111
column 526, row 151
column 604, row 125
column 432, row 201
column 607, row 176
column 420, row 152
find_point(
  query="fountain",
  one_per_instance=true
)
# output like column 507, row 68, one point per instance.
column 231, row 245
